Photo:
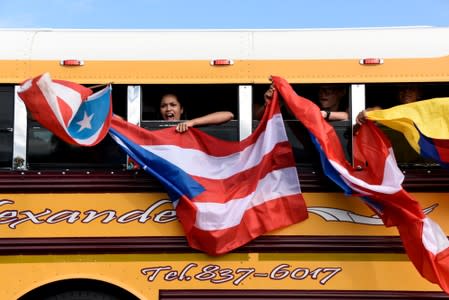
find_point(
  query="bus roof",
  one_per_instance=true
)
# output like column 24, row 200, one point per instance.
column 305, row 44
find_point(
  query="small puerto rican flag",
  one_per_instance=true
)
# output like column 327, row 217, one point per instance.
column 68, row 109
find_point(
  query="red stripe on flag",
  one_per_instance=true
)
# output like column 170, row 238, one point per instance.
column 442, row 147
column 243, row 183
column 65, row 110
column 258, row 220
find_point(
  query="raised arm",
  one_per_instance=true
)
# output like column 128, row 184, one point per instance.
column 335, row 115
column 267, row 98
column 218, row 117
column 361, row 117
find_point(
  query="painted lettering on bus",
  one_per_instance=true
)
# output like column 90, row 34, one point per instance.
column 217, row 274
column 13, row 217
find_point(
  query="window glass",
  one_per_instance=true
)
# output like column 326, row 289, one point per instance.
column 6, row 142
column 46, row 151
column 7, row 104
column 6, row 125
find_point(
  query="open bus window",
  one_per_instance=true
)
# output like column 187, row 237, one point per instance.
column 6, row 126
column 46, row 151
column 388, row 95
column 197, row 100
column 303, row 149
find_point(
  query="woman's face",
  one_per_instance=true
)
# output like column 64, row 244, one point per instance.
column 170, row 108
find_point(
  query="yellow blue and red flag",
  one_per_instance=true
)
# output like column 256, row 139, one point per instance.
column 425, row 125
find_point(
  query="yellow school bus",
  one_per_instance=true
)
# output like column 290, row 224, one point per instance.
column 84, row 223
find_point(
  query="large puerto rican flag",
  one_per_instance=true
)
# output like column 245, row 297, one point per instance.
column 225, row 193
column 378, row 180
column 67, row 109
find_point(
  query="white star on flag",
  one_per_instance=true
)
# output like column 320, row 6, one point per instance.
column 85, row 122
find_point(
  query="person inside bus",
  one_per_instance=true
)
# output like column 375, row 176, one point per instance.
column 171, row 109
column 258, row 108
column 333, row 105
column 332, row 101
column 405, row 95
column 404, row 154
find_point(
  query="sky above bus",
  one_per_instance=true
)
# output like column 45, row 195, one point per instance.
column 224, row 14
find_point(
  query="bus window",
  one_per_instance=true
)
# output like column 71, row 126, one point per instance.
column 197, row 100
column 6, row 125
column 46, row 151
column 388, row 95
column 303, row 148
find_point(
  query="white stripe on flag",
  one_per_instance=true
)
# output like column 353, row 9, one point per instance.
column 391, row 183
column 198, row 163
column 217, row 216
column 70, row 96
column 433, row 237
column 52, row 90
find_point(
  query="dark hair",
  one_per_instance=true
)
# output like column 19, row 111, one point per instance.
column 344, row 101
column 181, row 104
column 171, row 95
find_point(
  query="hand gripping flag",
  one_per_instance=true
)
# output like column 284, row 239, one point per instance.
column 425, row 125
column 379, row 182
column 67, row 109
column 225, row 193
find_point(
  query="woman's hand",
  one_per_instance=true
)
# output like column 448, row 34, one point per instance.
column 184, row 126
column 323, row 114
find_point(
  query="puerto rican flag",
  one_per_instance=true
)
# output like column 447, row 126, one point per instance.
column 67, row 109
column 225, row 193
column 378, row 180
